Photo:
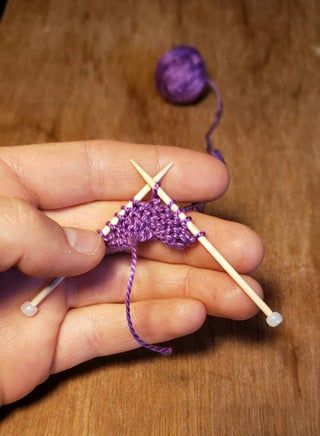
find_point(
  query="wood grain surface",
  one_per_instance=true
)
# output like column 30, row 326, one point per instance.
column 84, row 69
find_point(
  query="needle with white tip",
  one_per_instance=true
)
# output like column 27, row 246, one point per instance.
column 273, row 318
column 30, row 308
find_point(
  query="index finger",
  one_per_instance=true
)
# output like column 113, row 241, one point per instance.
column 66, row 174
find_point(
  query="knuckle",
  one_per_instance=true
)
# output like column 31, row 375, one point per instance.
column 17, row 212
column 95, row 337
column 187, row 282
column 94, row 172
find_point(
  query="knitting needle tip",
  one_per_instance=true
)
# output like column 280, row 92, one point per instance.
column 145, row 175
column 167, row 167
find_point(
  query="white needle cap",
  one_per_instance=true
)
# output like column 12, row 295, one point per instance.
column 28, row 309
column 274, row 319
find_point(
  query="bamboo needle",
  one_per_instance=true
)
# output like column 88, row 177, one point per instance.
column 273, row 318
column 29, row 308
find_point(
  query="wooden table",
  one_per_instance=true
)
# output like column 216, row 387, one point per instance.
column 84, row 69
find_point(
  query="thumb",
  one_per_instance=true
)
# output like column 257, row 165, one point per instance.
column 39, row 247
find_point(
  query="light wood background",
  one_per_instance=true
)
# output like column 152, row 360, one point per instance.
column 84, row 69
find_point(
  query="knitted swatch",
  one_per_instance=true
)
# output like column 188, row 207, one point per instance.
column 147, row 221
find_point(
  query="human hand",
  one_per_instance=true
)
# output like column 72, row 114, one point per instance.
column 52, row 199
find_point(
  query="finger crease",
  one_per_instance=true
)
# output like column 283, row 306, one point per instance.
column 186, row 287
column 89, row 167
column 94, row 336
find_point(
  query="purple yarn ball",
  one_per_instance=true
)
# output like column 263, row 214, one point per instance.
column 181, row 75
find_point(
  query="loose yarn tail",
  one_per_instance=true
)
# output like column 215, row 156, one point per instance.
column 219, row 111
column 165, row 351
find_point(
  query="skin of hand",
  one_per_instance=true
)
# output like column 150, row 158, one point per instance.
column 53, row 198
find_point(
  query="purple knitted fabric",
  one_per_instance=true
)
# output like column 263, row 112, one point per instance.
column 146, row 221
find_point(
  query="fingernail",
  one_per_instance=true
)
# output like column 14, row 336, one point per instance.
column 83, row 241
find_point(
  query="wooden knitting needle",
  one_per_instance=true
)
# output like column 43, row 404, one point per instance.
column 29, row 308
column 273, row 318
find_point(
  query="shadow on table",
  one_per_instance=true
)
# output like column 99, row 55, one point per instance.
column 3, row 4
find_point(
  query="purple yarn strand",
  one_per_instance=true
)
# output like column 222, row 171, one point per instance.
column 165, row 351
column 218, row 115
column 194, row 207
